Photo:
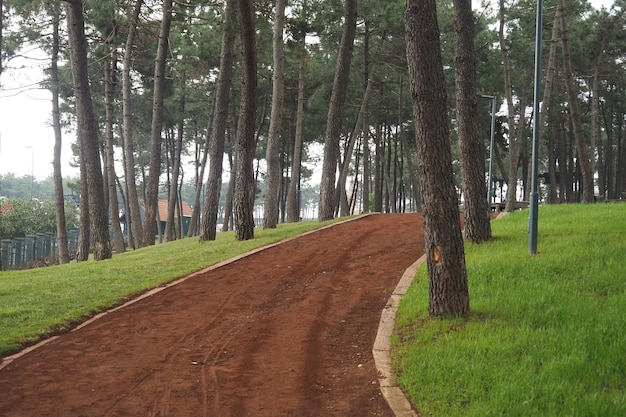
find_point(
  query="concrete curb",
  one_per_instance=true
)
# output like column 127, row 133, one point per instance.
column 381, row 351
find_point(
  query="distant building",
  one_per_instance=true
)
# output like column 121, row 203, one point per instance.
column 162, row 217
column 186, row 217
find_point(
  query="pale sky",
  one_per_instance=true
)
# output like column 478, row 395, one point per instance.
column 26, row 138
column 25, row 132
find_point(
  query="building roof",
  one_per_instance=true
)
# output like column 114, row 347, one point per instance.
column 187, row 210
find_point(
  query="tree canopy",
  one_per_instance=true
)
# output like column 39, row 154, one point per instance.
column 380, row 166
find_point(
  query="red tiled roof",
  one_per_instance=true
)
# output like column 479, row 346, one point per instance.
column 187, row 210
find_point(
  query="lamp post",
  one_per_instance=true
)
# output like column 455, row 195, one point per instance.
column 534, row 196
column 493, row 129
column 32, row 168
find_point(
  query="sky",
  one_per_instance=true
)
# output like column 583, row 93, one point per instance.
column 26, row 136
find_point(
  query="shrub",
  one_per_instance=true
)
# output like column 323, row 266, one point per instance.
column 21, row 217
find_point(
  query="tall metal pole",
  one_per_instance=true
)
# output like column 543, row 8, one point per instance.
column 534, row 196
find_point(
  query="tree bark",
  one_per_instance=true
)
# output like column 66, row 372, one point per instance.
column 172, row 201
column 88, row 131
column 245, row 143
column 343, row 175
column 293, row 194
column 515, row 130
column 152, row 192
column 620, row 180
column 406, row 151
column 133, row 218
column 545, row 105
column 335, row 111
column 228, row 204
column 194, row 224
column 471, row 147
column 218, row 133
column 574, row 110
column 366, row 127
column 447, row 277
column 62, row 244
column 378, row 158
column 84, row 233
column 272, row 154
column 611, row 170
column 109, row 82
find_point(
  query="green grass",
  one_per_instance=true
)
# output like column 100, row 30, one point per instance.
column 39, row 302
column 547, row 334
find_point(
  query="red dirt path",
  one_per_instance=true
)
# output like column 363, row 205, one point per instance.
column 287, row 331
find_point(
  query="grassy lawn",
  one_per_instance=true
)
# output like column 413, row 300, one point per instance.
column 35, row 303
column 547, row 335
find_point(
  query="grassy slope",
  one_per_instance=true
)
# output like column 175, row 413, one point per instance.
column 35, row 303
column 547, row 336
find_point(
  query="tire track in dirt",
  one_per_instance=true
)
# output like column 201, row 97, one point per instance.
column 287, row 331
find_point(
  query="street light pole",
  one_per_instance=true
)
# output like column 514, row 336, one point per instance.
column 534, row 196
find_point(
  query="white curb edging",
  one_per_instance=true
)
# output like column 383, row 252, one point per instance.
column 381, row 351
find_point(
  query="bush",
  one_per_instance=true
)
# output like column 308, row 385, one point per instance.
column 21, row 217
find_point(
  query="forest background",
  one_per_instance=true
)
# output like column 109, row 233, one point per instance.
column 312, row 31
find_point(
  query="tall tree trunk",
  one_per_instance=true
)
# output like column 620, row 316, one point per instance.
column 545, row 105
column 272, row 182
column 572, row 93
column 620, row 181
column 84, row 233
column 109, row 82
column 407, row 153
column 133, row 218
column 62, row 244
column 345, row 209
column 194, row 224
column 378, row 158
column 596, row 138
column 515, row 130
column 390, row 197
column 596, row 134
column 343, row 176
column 172, row 202
column 152, row 191
column 355, row 185
column 88, row 131
column 367, row 165
column 365, row 128
column 228, row 204
column 447, row 277
column 552, row 157
column 293, row 194
column 243, row 198
column 611, row 169
column 105, row 179
column 218, row 132
column 335, row 111
column 471, row 147
column 565, row 162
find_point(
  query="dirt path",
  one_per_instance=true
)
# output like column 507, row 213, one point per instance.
column 287, row 331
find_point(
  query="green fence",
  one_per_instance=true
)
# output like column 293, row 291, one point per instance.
column 34, row 249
